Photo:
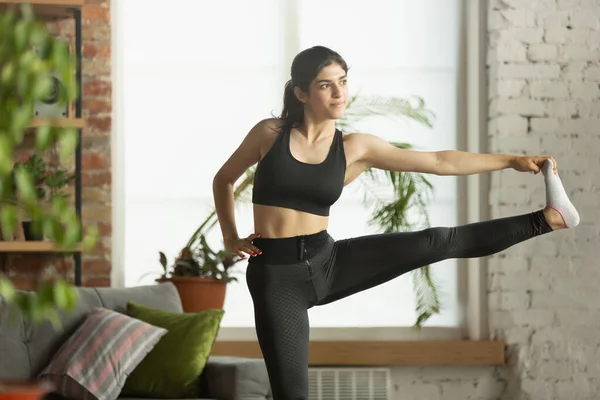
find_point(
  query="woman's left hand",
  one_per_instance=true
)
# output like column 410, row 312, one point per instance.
column 531, row 163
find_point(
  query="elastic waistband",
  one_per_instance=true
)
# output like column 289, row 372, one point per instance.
column 289, row 250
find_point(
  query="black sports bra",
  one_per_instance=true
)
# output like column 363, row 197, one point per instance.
column 282, row 180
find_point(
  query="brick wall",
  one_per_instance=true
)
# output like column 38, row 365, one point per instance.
column 544, row 84
column 544, row 58
column 27, row 270
column 96, row 157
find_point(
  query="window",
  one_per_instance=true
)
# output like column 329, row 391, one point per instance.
column 194, row 85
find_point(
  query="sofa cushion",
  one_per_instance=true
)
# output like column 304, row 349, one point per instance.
column 163, row 296
column 173, row 368
column 95, row 361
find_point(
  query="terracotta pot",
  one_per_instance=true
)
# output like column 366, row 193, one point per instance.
column 198, row 293
column 13, row 390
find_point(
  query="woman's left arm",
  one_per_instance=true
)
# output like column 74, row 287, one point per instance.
column 454, row 162
column 378, row 153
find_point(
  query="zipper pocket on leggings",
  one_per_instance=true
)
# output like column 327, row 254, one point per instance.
column 310, row 272
column 304, row 256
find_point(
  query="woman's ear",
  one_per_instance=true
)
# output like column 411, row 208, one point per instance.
column 300, row 95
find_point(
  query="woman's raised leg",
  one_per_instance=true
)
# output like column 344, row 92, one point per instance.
column 364, row 262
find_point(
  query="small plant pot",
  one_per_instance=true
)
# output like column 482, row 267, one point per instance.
column 29, row 232
column 198, row 293
column 12, row 390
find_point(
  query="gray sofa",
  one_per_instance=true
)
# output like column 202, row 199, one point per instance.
column 25, row 348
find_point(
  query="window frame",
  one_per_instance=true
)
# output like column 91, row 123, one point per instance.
column 472, row 273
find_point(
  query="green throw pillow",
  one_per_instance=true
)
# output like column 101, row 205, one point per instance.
column 172, row 367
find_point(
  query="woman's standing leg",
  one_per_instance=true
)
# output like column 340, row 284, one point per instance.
column 282, row 295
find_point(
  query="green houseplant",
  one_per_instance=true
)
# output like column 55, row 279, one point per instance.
column 28, row 57
column 200, row 275
column 411, row 192
column 49, row 182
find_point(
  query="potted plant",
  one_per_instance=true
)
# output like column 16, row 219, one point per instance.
column 200, row 275
column 25, row 78
column 411, row 190
column 49, row 182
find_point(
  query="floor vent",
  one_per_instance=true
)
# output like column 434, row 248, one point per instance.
column 349, row 384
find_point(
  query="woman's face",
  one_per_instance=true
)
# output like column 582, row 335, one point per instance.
column 327, row 93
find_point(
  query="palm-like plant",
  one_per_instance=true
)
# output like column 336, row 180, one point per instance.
column 410, row 191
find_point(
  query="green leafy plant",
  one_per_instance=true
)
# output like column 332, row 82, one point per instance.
column 201, row 261
column 29, row 56
column 49, row 181
column 411, row 191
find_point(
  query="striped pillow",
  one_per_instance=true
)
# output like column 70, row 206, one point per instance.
column 95, row 361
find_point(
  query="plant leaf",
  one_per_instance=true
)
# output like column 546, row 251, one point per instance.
column 67, row 141
column 43, row 137
column 163, row 260
column 57, row 179
column 363, row 107
column 9, row 219
column 6, row 148
column 25, row 185
column 7, row 290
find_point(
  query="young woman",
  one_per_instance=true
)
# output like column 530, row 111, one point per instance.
column 304, row 162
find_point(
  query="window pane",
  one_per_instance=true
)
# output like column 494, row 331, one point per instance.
column 376, row 33
column 208, row 33
column 191, row 124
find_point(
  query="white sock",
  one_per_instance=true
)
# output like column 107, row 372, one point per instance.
column 557, row 198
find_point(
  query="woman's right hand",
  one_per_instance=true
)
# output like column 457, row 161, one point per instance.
column 239, row 246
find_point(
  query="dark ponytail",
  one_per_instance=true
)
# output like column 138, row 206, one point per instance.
column 293, row 109
column 306, row 66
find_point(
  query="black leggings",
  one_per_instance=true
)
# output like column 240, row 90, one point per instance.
column 297, row 273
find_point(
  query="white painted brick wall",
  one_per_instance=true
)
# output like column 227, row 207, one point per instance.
column 544, row 97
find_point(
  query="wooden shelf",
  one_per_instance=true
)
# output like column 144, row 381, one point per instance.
column 425, row 352
column 18, row 246
column 46, row 8
column 58, row 122
column 51, row 3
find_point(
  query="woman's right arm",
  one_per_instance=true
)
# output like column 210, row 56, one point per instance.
column 247, row 154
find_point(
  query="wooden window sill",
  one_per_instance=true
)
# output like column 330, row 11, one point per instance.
column 426, row 352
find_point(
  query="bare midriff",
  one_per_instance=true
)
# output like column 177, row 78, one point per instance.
column 278, row 222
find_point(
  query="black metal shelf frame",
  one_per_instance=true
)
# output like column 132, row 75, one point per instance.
column 78, row 114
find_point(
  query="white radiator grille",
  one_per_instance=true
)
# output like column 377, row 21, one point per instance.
column 349, row 384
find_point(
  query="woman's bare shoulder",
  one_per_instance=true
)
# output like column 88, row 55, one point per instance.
column 268, row 129
column 252, row 149
column 355, row 145
column 354, row 139
column 266, row 132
